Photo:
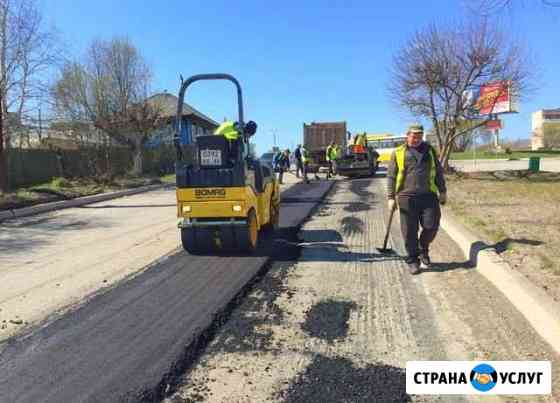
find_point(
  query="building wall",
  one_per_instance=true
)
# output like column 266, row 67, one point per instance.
column 190, row 130
column 539, row 118
column 537, row 130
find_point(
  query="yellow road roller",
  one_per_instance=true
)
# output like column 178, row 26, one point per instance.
column 225, row 197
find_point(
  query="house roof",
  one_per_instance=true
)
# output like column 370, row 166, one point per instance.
column 168, row 103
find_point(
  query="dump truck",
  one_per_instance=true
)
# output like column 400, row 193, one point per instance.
column 316, row 138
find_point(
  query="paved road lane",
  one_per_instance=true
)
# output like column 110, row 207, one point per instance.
column 50, row 262
column 122, row 343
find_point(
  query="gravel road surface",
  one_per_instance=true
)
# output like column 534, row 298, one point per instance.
column 339, row 323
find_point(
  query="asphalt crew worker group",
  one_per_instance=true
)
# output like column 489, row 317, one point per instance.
column 416, row 186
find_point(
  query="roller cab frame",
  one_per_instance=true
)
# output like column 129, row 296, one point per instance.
column 224, row 196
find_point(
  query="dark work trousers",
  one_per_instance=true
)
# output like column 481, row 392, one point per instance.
column 330, row 172
column 304, row 170
column 415, row 210
column 299, row 168
column 281, row 175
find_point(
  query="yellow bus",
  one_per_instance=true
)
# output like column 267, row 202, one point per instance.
column 385, row 144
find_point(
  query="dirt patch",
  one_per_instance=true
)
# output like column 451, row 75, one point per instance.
column 518, row 214
column 337, row 379
column 357, row 207
column 64, row 189
column 328, row 319
column 352, row 225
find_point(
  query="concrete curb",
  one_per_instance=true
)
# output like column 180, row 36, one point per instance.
column 80, row 201
column 540, row 310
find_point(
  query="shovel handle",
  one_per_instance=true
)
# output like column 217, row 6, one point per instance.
column 388, row 230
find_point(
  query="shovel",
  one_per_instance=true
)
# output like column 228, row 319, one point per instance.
column 384, row 249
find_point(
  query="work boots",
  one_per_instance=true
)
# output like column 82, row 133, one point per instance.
column 414, row 267
column 425, row 258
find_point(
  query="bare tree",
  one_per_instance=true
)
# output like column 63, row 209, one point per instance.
column 434, row 69
column 110, row 90
column 27, row 51
column 487, row 7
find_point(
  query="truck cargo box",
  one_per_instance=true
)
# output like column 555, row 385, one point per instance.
column 316, row 138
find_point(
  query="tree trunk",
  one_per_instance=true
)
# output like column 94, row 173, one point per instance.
column 137, row 157
column 444, row 157
column 3, row 151
column 3, row 169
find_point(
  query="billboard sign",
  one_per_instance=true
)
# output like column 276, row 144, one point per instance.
column 494, row 124
column 491, row 98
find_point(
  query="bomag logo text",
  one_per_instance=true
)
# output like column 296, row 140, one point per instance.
column 209, row 193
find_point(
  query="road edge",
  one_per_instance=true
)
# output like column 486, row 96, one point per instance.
column 200, row 340
column 77, row 202
column 540, row 310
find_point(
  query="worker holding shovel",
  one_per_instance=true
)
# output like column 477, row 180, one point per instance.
column 415, row 182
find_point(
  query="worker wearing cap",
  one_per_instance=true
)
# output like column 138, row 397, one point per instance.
column 415, row 182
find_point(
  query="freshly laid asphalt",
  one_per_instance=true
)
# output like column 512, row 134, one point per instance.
column 131, row 342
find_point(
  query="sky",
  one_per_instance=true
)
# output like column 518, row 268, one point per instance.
column 297, row 61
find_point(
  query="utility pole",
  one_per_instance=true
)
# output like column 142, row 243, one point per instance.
column 273, row 132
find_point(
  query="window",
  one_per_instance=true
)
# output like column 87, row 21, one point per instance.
column 195, row 130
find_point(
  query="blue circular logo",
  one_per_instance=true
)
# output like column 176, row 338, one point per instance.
column 483, row 377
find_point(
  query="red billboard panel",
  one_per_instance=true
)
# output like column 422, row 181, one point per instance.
column 494, row 98
column 493, row 124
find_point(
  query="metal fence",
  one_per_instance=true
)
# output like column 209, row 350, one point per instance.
column 34, row 166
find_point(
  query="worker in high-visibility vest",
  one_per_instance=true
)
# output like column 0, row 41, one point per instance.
column 416, row 184
column 229, row 130
column 331, row 156
column 360, row 143
column 305, row 162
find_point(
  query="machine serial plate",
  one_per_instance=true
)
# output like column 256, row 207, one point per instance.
column 210, row 157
